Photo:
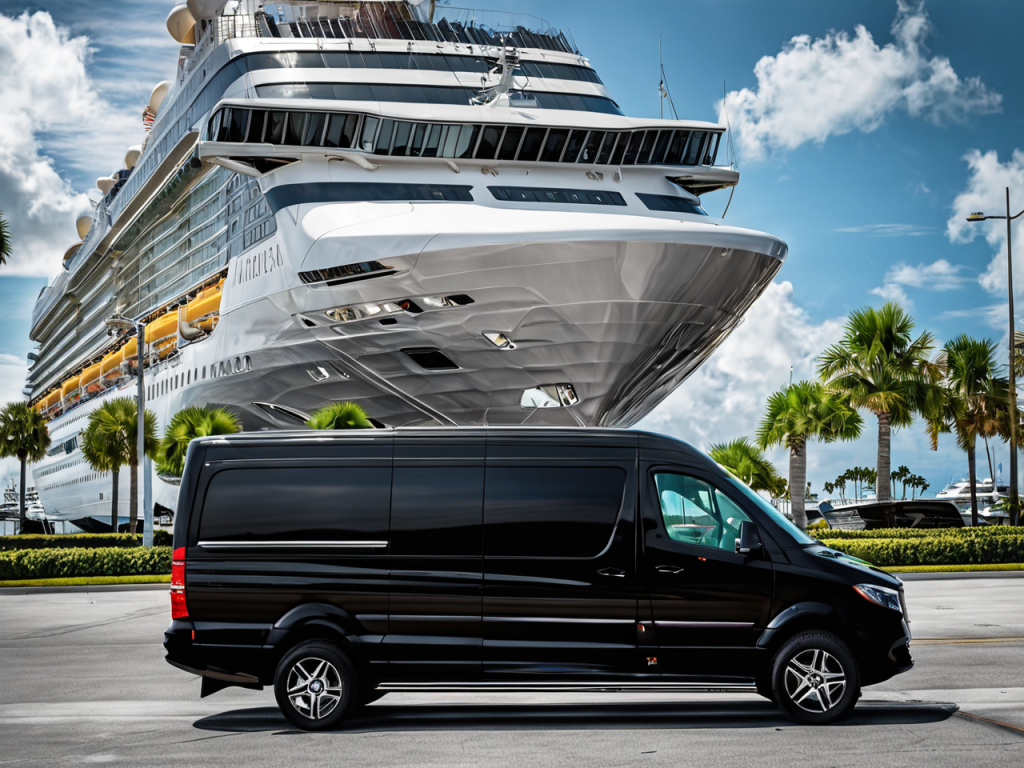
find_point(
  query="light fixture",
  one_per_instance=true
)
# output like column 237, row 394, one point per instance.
column 549, row 396
column 499, row 339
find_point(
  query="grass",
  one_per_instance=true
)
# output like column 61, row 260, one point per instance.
column 91, row 581
column 954, row 568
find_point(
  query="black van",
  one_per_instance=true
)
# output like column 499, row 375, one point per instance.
column 339, row 566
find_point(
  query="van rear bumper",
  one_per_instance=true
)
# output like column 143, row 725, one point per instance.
column 185, row 654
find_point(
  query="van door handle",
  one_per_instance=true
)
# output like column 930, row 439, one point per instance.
column 669, row 569
column 614, row 572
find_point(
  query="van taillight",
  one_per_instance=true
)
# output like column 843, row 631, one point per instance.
column 179, row 608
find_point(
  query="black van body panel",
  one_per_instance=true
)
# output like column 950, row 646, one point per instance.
column 497, row 557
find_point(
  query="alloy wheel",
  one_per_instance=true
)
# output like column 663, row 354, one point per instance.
column 815, row 680
column 314, row 687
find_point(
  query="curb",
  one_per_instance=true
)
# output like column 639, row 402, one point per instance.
column 84, row 588
column 945, row 575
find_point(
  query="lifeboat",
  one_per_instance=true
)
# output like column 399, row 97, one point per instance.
column 90, row 382
column 50, row 401
column 69, row 391
column 130, row 353
column 110, row 366
column 131, row 157
column 162, row 334
column 202, row 313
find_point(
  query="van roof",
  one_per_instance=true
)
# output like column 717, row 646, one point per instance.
column 319, row 437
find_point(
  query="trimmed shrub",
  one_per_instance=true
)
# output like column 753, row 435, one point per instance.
column 161, row 538
column 934, row 549
column 71, row 562
column 918, row 533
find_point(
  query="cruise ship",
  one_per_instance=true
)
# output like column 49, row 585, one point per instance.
column 442, row 214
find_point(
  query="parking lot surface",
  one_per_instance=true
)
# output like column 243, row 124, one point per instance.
column 83, row 681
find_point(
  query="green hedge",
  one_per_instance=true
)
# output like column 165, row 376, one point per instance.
column 80, row 540
column 949, row 549
column 70, row 562
column 917, row 533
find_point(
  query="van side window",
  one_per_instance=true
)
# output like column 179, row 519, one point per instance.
column 695, row 512
column 550, row 511
column 437, row 511
column 297, row 504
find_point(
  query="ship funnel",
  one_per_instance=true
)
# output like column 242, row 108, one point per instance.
column 82, row 224
column 131, row 157
column 205, row 9
column 156, row 98
column 181, row 25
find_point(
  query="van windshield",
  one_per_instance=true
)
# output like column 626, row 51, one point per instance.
column 780, row 519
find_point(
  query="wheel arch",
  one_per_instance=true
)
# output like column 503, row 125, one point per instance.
column 312, row 621
column 808, row 616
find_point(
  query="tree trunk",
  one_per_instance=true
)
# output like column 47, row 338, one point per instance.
column 991, row 471
column 972, row 475
column 133, row 501
column 882, row 483
column 22, row 512
column 798, row 482
column 113, row 502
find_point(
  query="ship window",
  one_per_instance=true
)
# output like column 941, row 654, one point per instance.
column 509, row 145
column 451, row 139
column 369, row 131
column 418, row 135
column 348, row 192
column 274, row 133
column 659, row 149
column 204, row 372
column 675, row 149
column 589, row 154
column 712, row 150
column 387, row 130
column 341, row 60
column 620, row 148
column 341, row 131
column 532, row 143
column 256, row 124
column 669, row 203
column 314, row 129
column 561, row 196
column 693, row 149
column 349, row 92
column 606, row 148
column 633, row 149
column 648, row 145
column 572, row 147
column 554, row 144
column 388, row 61
column 489, row 141
column 467, row 141
column 236, row 121
column 401, row 144
column 296, row 127
column 432, row 141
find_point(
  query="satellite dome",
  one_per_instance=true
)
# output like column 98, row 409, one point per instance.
column 69, row 254
column 131, row 157
column 105, row 184
column 181, row 25
column 156, row 98
column 82, row 224
column 205, row 9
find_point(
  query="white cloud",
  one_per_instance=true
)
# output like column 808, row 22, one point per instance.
column 893, row 292
column 889, row 230
column 940, row 275
column 725, row 397
column 53, row 117
column 813, row 89
column 987, row 182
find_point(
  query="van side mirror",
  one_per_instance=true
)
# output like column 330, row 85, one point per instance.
column 749, row 541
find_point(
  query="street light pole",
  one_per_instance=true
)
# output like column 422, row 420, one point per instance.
column 1014, row 497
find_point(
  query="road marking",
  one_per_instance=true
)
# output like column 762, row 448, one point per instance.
column 964, row 640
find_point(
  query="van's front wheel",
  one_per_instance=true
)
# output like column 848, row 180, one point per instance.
column 815, row 678
column 315, row 685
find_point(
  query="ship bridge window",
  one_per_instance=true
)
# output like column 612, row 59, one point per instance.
column 670, row 203
column 352, row 192
column 427, row 94
column 693, row 156
column 563, row 196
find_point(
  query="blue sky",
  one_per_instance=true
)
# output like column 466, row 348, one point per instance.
column 864, row 132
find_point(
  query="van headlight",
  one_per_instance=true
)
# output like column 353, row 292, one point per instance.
column 883, row 596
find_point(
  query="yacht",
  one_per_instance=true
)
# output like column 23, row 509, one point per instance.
column 447, row 219
column 988, row 494
column 10, row 510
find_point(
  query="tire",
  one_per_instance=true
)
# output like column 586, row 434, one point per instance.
column 316, row 685
column 814, row 678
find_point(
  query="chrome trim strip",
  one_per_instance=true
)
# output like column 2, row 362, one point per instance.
column 293, row 544
column 611, row 686
column 556, row 620
column 705, row 624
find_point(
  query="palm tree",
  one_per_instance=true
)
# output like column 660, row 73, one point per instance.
column 23, row 435
column 883, row 369
column 186, row 425
column 901, row 476
column 800, row 412
column 105, row 449
column 116, row 427
column 340, row 416
column 973, row 402
column 5, row 244
column 747, row 462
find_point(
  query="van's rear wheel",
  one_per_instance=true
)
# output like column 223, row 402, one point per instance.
column 315, row 685
column 815, row 678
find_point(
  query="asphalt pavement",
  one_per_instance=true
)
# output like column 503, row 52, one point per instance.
column 83, row 681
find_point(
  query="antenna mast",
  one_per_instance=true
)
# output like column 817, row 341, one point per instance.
column 663, row 92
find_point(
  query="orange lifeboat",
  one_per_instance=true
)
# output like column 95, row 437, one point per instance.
column 69, row 391
column 162, row 334
column 110, row 366
column 204, row 310
column 90, row 381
